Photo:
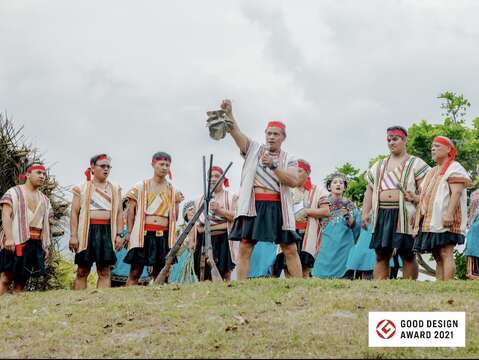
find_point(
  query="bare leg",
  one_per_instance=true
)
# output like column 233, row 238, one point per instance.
column 306, row 272
column 381, row 270
column 81, row 279
column 19, row 285
column 245, row 251
column 410, row 268
column 104, row 277
column 227, row 276
column 293, row 263
column 448, row 267
column 439, row 264
column 134, row 275
column 6, row 279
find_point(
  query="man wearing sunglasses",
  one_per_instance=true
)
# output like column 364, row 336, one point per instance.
column 25, row 236
column 96, row 223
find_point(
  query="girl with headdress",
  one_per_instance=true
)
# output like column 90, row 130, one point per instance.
column 441, row 219
column 339, row 231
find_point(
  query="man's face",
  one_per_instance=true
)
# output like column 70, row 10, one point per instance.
column 37, row 178
column 274, row 138
column 439, row 151
column 161, row 167
column 190, row 213
column 101, row 170
column 396, row 144
column 215, row 176
column 303, row 175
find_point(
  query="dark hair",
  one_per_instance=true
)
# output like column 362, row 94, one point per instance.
column 397, row 127
column 95, row 158
column 161, row 155
column 333, row 176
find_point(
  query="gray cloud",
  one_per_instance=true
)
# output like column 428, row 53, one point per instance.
column 131, row 78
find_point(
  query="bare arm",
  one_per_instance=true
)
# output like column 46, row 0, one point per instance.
column 288, row 177
column 130, row 219
column 7, row 212
column 74, row 216
column 367, row 205
column 322, row 212
column 456, row 192
column 240, row 139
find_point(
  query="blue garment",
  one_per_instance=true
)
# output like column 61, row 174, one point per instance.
column 121, row 270
column 176, row 268
column 338, row 239
column 262, row 259
column 472, row 239
column 361, row 257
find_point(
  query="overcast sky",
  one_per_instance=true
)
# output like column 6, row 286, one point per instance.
column 134, row 77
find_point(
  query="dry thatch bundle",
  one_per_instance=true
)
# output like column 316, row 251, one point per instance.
column 15, row 155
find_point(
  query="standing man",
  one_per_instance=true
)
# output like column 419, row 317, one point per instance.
column 96, row 223
column 25, row 237
column 265, row 206
column 152, row 214
column 221, row 216
column 442, row 217
column 393, row 194
column 311, row 204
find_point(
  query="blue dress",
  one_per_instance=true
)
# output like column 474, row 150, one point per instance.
column 338, row 239
column 262, row 259
column 472, row 237
column 121, row 269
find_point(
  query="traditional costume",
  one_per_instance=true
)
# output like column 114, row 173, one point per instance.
column 472, row 238
column 224, row 250
column 30, row 232
column 97, row 237
column 149, row 244
column 434, row 202
column 264, row 217
column 337, row 239
column 392, row 220
column 307, row 228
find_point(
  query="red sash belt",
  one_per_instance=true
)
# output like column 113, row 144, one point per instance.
column 35, row 234
column 267, row 197
column 154, row 227
column 99, row 222
column 301, row 226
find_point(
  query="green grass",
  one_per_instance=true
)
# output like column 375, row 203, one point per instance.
column 261, row 318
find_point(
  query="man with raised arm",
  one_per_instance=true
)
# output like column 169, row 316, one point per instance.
column 265, row 206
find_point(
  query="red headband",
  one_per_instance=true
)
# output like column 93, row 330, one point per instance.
column 36, row 167
column 452, row 151
column 277, row 124
column 155, row 160
column 306, row 167
column 103, row 157
column 397, row 132
column 226, row 181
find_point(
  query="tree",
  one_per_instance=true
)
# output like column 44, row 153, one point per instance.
column 356, row 183
column 454, row 106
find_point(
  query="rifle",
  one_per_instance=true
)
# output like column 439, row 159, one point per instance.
column 161, row 278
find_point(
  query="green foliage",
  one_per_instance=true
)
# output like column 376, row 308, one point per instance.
column 454, row 106
column 356, row 183
column 461, row 265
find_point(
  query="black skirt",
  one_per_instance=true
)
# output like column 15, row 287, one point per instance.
column 31, row 263
column 427, row 241
column 153, row 253
column 385, row 235
column 265, row 226
column 307, row 260
column 221, row 255
column 100, row 248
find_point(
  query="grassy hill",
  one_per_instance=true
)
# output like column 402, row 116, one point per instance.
column 260, row 318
